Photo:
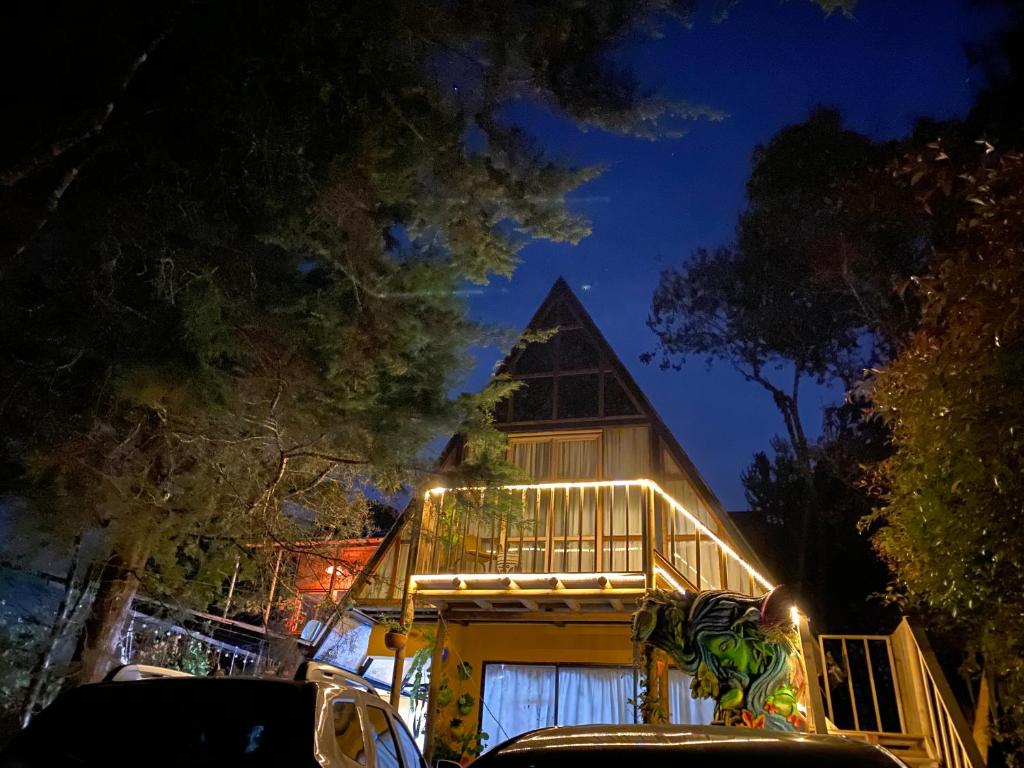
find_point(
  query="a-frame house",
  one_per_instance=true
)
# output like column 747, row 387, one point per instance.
column 525, row 593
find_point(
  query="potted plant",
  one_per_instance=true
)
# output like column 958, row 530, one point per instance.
column 397, row 636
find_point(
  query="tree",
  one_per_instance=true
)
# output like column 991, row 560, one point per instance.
column 953, row 399
column 233, row 242
column 811, row 291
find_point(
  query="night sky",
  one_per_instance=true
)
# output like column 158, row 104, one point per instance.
column 767, row 66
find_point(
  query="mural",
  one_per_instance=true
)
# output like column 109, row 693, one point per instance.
column 741, row 651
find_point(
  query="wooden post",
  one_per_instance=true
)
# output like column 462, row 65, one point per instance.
column 981, row 718
column 440, row 636
column 653, row 709
column 812, row 674
column 273, row 588
column 648, row 531
column 408, row 609
column 231, row 587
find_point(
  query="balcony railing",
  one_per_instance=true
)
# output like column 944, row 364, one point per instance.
column 583, row 527
column 890, row 690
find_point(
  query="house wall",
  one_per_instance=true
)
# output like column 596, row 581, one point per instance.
column 477, row 644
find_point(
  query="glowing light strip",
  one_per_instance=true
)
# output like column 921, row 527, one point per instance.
column 642, row 483
column 525, row 578
column 668, row 577
column 728, row 550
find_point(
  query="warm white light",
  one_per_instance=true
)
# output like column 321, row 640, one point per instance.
column 526, row 578
column 668, row 577
column 642, row 483
column 794, row 614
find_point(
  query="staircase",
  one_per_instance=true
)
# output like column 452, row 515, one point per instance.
column 890, row 691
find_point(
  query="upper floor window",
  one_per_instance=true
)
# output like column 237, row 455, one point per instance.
column 560, row 457
column 567, row 377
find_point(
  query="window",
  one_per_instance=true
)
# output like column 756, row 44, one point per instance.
column 383, row 738
column 616, row 401
column 522, row 697
column 577, row 396
column 532, row 401
column 348, row 733
column 572, row 456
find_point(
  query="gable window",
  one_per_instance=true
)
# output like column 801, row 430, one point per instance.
column 567, row 377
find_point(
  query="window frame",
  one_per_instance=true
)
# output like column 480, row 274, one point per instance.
column 357, row 705
column 557, row 666
column 555, row 440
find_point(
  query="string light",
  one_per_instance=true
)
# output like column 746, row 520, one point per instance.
column 643, row 484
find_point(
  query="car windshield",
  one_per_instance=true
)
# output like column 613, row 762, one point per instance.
column 184, row 722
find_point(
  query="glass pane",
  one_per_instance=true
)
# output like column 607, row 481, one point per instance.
column 533, row 457
column 683, row 709
column 577, row 459
column 410, row 752
column 383, row 738
column 576, row 352
column 532, row 401
column 577, row 396
column 517, row 698
column 710, row 567
column 538, row 357
column 595, row 695
column 627, row 453
column 348, row 734
column 616, row 401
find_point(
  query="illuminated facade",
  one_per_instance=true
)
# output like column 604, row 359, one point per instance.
column 523, row 595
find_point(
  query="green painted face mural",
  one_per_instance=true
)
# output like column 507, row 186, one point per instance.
column 742, row 652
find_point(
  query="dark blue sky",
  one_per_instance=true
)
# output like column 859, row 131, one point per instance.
column 767, row 66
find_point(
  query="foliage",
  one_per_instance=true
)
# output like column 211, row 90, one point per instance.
column 232, row 300
column 776, row 490
column 398, row 627
column 954, row 399
column 811, row 291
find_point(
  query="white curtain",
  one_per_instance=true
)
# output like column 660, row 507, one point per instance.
column 595, row 695
column 533, row 457
column 683, row 709
column 577, row 459
column 517, row 698
column 627, row 453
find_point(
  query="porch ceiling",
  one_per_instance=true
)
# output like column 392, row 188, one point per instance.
column 534, row 593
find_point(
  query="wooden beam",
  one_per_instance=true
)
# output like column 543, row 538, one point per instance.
column 487, row 605
column 531, row 604
column 433, row 707
column 470, row 595
column 562, row 616
column 618, row 605
column 573, row 604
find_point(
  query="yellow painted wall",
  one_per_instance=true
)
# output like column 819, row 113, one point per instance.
column 514, row 643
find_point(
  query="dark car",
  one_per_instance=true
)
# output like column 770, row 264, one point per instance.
column 327, row 719
column 681, row 745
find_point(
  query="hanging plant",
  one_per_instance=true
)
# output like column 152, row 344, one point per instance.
column 465, row 704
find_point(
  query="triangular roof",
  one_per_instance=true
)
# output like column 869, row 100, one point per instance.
column 559, row 298
column 561, row 293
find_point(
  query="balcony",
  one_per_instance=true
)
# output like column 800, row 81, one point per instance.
column 570, row 543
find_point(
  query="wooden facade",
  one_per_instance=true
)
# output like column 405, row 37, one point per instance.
column 542, row 577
